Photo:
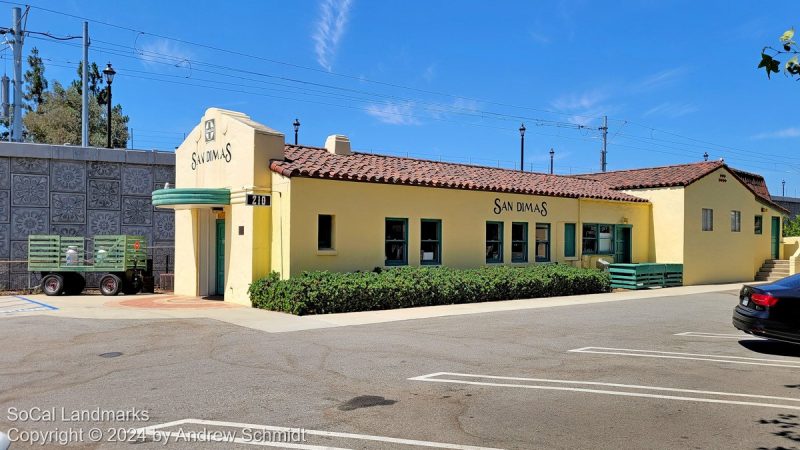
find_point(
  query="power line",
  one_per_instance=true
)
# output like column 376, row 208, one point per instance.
column 442, row 107
column 297, row 66
column 446, row 108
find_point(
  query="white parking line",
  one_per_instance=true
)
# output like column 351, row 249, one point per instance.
column 157, row 429
column 717, row 335
column 629, row 389
column 794, row 364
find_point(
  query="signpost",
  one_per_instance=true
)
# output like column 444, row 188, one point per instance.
column 259, row 200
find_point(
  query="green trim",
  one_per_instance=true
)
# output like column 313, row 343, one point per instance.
column 524, row 242
column 544, row 226
column 438, row 260
column 219, row 242
column 623, row 250
column 569, row 240
column 596, row 239
column 775, row 237
column 404, row 261
column 499, row 259
column 191, row 196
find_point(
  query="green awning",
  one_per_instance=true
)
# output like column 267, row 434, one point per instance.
column 186, row 198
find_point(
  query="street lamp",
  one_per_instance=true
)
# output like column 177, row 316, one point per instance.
column 522, row 147
column 296, row 126
column 109, row 73
column 552, row 154
column 705, row 156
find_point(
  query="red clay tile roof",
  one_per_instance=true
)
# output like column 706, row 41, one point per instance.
column 654, row 177
column 679, row 175
column 315, row 162
column 755, row 181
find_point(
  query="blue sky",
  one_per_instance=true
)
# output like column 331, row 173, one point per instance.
column 453, row 81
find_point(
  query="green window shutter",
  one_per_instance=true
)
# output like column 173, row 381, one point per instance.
column 569, row 240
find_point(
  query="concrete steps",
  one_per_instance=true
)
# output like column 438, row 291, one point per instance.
column 773, row 270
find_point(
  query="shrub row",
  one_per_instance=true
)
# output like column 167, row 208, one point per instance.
column 333, row 292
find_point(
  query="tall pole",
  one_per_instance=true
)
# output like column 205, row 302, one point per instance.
column 108, row 117
column 85, row 88
column 604, row 129
column 783, row 188
column 522, row 148
column 16, row 127
column 552, row 154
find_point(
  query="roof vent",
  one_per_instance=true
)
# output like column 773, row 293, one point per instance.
column 338, row 144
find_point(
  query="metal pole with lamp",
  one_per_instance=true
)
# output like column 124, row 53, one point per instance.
column 109, row 73
column 522, row 147
column 296, row 126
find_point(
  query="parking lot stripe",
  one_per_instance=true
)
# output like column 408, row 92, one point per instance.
column 44, row 305
column 629, row 392
column 689, row 356
column 717, row 335
column 364, row 437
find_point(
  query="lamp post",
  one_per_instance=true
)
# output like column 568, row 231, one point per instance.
column 705, row 156
column 296, row 126
column 552, row 154
column 783, row 188
column 109, row 73
column 522, row 147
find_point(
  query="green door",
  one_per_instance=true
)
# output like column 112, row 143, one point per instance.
column 622, row 243
column 775, row 241
column 220, row 284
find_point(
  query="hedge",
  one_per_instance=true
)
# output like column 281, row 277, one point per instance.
column 334, row 292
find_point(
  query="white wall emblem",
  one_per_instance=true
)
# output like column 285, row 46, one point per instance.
column 210, row 130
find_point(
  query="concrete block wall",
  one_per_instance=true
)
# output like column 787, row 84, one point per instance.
column 79, row 191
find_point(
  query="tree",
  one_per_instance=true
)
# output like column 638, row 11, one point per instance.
column 791, row 227
column 771, row 64
column 54, row 117
column 57, row 120
column 95, row 81
column 35, row 82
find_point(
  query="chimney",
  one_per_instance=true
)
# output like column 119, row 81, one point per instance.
column 338, row 144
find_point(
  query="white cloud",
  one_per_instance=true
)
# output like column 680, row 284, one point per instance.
column 539, row 38
column 585, row 107
column 671, row 109
column 458, row 107
column 575, row 101
column 394, row 113
column 157, row 51
column 331, row 25
column 660, row 79
column 791, row 132
column 429, row 73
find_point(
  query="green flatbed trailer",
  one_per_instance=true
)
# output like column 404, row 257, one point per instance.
column 62, row 261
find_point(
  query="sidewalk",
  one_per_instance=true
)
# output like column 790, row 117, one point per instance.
column 162, row 306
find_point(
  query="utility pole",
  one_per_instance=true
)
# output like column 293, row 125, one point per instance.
column 85, row 88
column 783, row 188
column 16, row 47
column 604, row 129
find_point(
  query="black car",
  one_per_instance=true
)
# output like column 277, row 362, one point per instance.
column 770, row 310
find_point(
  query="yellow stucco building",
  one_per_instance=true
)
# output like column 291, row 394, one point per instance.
column 247, row 204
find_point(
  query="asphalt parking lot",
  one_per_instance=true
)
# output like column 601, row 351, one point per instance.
column 666, row 372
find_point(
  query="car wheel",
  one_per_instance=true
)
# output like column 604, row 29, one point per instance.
column 110, row 284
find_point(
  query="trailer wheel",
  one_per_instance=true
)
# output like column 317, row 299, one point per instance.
column 110, row 284
column 53, row 284
column 132, row 287
column 75, row 284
